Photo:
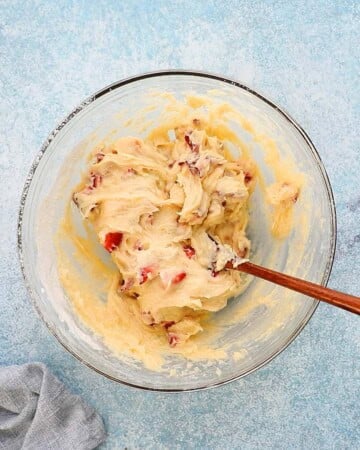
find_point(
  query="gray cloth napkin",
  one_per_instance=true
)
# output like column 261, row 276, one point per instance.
column 38, row 412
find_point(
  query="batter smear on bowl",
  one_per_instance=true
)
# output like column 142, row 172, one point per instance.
column 171, row 213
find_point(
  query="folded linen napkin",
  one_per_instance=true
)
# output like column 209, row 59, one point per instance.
column 38, row 412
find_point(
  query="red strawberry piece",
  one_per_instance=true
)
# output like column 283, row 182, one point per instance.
column 126, row 285
column 194, row 147
column 248, row 177
column 112, row 241
column 179, row 277
column 188, row 139
column 95, row 180
column 144, row 274
column 189, row 251
column 193, row 169
column 99, row 156
column 167, row 324
column 173, row 339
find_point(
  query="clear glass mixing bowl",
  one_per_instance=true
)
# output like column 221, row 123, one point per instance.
column 261, row 332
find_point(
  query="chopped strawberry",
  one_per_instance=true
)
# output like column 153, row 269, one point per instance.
column 194, row 147
column 99, row 156
column 170, row 277
column 193, row 169
column 248, row 177
column 127, row 285
column 167, row 324
column 189, row 251
column 95, row 179
column 144, row 274
column 179, row 277
column 188, row 139
column 173, row 339
column 112, row 241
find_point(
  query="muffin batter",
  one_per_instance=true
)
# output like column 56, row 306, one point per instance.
column 171, row 215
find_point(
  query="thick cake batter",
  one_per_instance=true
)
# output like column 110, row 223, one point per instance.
column 171, row 216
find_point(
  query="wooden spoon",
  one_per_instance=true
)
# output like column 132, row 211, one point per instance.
column 336, row 298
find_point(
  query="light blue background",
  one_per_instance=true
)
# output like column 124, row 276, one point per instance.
column 303, row 55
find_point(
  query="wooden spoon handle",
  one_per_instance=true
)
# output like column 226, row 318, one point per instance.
column 336, row 298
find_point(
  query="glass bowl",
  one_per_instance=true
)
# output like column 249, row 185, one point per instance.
column 263, row 328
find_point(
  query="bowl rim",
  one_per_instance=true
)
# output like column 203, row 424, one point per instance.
column 116, row 85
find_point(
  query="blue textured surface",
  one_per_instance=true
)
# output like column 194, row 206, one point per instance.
column 305, row 56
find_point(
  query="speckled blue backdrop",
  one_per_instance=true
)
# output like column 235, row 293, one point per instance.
column 305, row 56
